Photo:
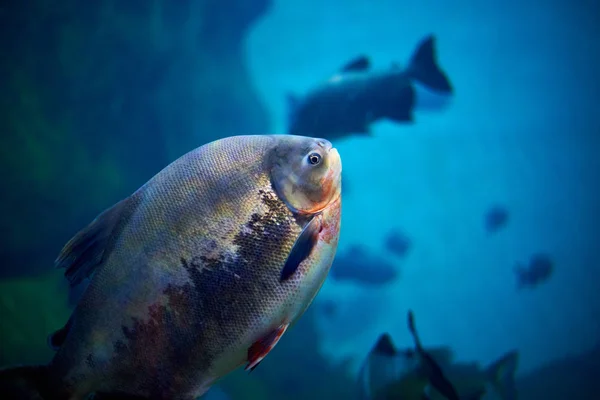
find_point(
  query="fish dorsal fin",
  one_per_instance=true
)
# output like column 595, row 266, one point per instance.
column 302, row 248
column 385, row 346
column 413, row 331
column 89, row 247
column 360, row 63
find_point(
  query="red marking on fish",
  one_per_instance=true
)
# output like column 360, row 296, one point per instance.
column 259, row 350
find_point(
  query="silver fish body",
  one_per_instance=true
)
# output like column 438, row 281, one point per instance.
column 186, row 273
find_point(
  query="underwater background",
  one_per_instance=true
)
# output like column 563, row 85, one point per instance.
column 97, row 97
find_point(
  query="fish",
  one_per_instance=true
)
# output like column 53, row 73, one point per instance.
column 398, row 243
column 358, row 96
column 359, row 265
column 495, row 219
column 537, row 271
column 418, row 373
column 199, row 272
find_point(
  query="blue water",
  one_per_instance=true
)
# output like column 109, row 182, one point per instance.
column 523, row 130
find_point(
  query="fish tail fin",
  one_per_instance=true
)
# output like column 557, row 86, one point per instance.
column 28, row 383
column 424, row 67
column 502, row 375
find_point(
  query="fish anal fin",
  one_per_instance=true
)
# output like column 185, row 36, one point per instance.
column 88, row 248
column 360, row 63
column 302, row 248
column 259, row 349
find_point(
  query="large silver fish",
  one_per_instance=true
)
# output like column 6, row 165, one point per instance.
column 197, row 273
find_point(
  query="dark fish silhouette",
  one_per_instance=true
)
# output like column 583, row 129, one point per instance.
column 495, row 219
column 349, row 102
column 358, row 265
column 539, row 270
column 398, row 243
column 430, row 374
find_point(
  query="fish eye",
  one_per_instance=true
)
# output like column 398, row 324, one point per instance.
column 314, row 158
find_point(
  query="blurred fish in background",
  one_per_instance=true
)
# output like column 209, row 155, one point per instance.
column 357, row 96
column 419, row 373
column 495, row 219
column 398, row 243
column 537, row 271
column 360, row 265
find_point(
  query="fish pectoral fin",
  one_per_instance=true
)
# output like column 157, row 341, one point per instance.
column 302, row 248
column 259, row 349
column 56, row 339
column 360, row 63
column 88, row 248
